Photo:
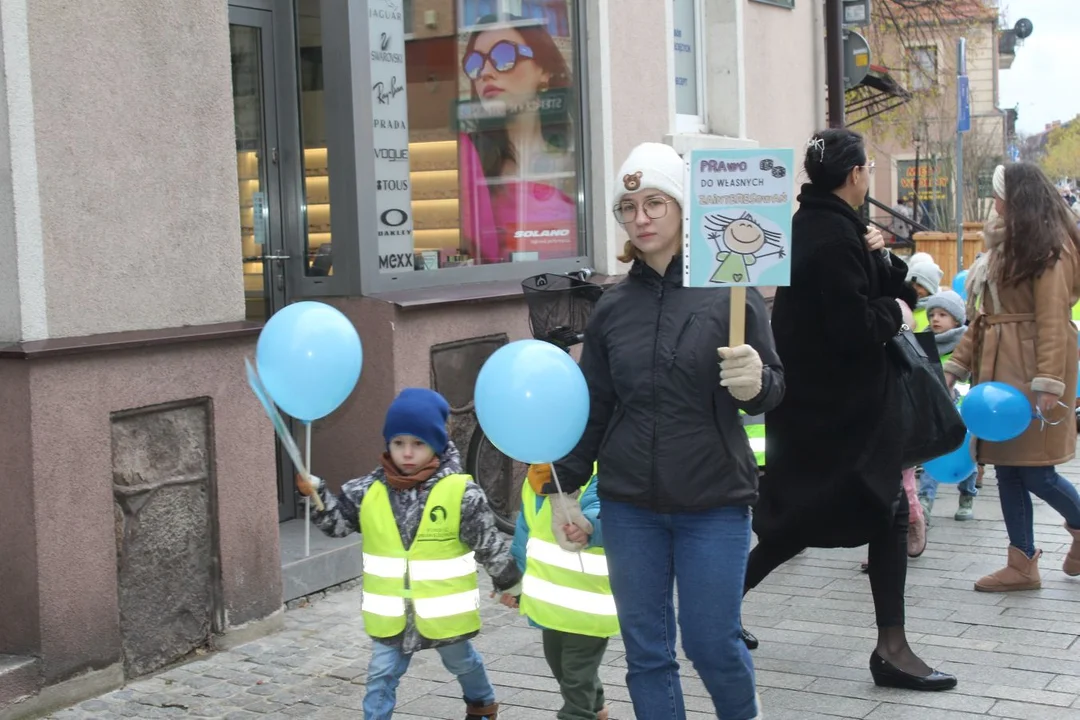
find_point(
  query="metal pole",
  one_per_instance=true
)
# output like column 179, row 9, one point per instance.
column 915, row 202
column 834, row 61
column 961, row 69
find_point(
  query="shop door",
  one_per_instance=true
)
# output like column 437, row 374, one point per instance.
column 262, row 240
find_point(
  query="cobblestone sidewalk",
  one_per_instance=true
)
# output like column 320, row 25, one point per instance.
column 1017, row 655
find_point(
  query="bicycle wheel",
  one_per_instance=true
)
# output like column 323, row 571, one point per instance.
column 499, row 475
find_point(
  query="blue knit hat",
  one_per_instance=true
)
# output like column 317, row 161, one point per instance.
column 421, row 413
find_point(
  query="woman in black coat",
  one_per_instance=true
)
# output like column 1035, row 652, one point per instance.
column 833, row 461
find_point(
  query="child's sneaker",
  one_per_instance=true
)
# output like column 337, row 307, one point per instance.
column 927, row 508
column 966, row 511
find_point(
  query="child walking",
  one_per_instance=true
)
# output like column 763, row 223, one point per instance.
column 947, row 315
column 565, row 593
column 426, row 525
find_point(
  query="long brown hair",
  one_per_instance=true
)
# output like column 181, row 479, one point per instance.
column 489, row 136
column 1037, row 225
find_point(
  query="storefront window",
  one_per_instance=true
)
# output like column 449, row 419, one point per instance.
column 476, row 130
column 316, row 191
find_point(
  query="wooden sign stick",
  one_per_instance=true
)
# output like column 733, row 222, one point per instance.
column 737, row 326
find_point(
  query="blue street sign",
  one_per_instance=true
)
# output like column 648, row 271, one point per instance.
column 963, row 100
column 1014, row 153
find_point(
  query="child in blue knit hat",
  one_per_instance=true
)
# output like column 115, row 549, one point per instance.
column 947, row 314
column 426, row 526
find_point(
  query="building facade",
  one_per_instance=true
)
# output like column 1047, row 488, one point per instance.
column 172, row 174
column 915, row 145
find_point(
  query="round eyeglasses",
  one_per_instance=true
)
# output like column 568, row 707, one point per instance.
column 503, row 55
column 654, row 208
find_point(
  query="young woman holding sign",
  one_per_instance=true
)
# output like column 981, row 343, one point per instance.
column 676, row 475
column 833, row 462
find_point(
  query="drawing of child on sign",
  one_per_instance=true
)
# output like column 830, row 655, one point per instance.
column 741, row 243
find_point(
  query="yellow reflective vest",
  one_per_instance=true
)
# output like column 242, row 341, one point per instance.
column 918, row 315
column 562, row 590
column 437, row 574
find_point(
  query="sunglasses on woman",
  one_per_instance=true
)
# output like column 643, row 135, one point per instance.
column 504, row 56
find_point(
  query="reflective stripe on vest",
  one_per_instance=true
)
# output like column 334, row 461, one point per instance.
column 562, row 590
column 437, row 573
column 755, row 432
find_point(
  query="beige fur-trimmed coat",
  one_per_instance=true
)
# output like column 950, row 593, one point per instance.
column 1024, row 336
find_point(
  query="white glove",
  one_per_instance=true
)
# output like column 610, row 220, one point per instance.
column 740, row 371
column 565, row 509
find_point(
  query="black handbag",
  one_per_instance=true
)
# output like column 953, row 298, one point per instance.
column 927, row 419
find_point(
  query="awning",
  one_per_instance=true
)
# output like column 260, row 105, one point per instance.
column 879, row 92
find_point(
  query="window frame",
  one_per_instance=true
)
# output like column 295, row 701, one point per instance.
column 914, row 68
column 684, row 122
column 347, row 79
column 299, row 284
column 787, row 4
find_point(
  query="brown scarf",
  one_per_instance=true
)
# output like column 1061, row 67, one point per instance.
column 398, row 481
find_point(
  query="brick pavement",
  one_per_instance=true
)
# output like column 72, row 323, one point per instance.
column 1017, row 655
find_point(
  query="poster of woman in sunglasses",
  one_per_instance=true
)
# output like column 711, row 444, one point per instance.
column 516, row 149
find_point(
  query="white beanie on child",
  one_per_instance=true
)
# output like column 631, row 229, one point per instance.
column 926, row 274
column 651, row 166
column 919, row 257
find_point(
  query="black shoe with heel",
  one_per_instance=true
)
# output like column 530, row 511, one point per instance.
column 888, row 675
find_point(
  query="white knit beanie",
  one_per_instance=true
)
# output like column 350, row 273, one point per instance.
column 919, row 257
column 999, row 181
column 652, row 166
column 927, row 274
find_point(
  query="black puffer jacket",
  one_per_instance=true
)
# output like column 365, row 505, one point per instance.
column 666, row 435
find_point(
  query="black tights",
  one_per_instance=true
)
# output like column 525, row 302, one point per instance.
column 888, row 566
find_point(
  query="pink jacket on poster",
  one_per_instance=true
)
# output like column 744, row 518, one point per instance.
column 502, row 216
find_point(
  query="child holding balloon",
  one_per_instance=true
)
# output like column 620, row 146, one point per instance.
column 426, row 525
column 566, row 592
column 947, row 315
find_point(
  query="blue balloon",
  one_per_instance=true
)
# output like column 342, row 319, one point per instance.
column 953, row 467
column 996, row 412
column 309, row 358
column 958, row 283
column 532, row 401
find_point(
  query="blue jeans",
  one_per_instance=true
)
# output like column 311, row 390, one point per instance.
column 928, row 486
column 1017, row 484
column 388, row 664
column 705, row 553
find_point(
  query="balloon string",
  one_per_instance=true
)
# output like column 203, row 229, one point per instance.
column 307, row 498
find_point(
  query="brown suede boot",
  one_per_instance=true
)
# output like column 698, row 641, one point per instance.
column 482, row 712
column 1072, row 560
column 1020, row 573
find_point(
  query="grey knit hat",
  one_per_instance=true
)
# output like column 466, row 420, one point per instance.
column 950, row 302
column 927, row 274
